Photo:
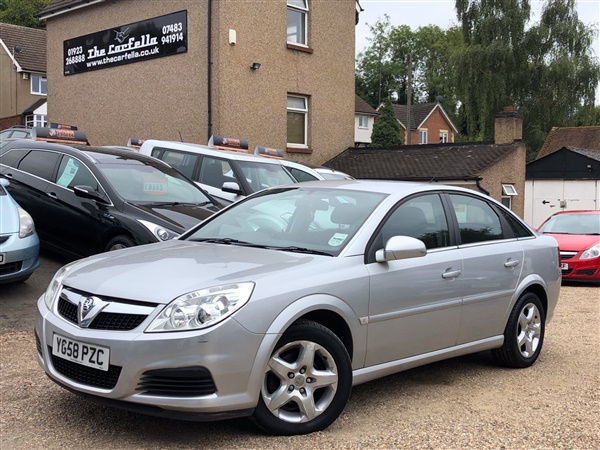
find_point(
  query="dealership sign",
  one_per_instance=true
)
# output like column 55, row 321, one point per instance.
column 139, row 41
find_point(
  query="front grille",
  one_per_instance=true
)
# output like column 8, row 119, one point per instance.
column 179, row 382
column 567, row 254
column 6, row 269
column 567, row 272
column 104, row 320
column 86, row 375
column 3, row 239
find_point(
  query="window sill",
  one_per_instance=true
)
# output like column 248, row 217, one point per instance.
column 300, row 48
column 305, row 150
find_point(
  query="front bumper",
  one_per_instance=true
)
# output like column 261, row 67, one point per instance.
column 581, row 270
column 227, row 352
column 20, row 258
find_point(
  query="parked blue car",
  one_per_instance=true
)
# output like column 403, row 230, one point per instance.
column 19, row 243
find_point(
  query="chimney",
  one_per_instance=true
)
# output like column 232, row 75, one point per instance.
column 508, row 126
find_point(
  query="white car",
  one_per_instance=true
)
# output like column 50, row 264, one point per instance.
column 226, row 174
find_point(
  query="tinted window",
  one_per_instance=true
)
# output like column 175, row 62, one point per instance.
column 476, row 219
column 39, row 163
column 183, row 162
column 422, row 218
column 12, row 157
column 215, row 172
column 301, row 175
column 73, row 172
column 516, row 226
column 20, row 134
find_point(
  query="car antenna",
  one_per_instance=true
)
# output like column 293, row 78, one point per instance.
column 180, row 136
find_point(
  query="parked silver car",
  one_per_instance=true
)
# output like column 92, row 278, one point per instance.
column 19, row 243
column 276, row 306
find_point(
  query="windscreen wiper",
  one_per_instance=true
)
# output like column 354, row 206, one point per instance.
column 229, row 241
column 302, row 250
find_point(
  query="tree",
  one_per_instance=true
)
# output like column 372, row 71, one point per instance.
column 547, row 72
column 382, row 69
column 22, row 12
column 386, row 131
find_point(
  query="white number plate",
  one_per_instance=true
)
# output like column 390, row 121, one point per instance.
column 1, row 258
column 88, row 355
column 564, row 266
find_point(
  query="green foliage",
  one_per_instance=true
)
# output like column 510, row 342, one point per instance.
column 382, row 69
column 386, row 131
column 22, row 12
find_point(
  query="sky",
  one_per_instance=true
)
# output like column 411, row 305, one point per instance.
column 416, row 13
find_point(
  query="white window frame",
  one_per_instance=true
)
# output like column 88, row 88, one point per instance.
column 36, row 120
column 36, row 82
column 291, row 109
column 363, row 121
column 423, row 136
column 293, row 6
column 443, row 137
column 508, row 192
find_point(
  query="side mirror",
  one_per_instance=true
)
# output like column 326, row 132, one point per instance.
column 4, row 181
column 89, row 193
column 231, row 187
column 401, row 247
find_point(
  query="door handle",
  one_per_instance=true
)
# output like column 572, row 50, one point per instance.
column 511, row 263
column 451, row 274
column 8, row 175
column 52, row 195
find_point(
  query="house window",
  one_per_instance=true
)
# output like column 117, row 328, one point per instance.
column 508, row 191
column 363, row 121
column 297, row 12
column 443, row 137
column 297, row 114
column 38, row 84
column 422, row 136
column 36, row 120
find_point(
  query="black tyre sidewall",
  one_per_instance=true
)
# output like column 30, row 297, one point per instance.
column 311, row 331
column 509, row 354
column 119, row 240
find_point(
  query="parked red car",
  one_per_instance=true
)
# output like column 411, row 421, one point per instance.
column 578, row 237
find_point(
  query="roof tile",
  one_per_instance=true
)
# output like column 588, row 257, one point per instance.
column 32, row 57
column 577, row 137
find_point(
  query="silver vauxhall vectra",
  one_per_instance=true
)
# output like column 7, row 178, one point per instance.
column 277, row 305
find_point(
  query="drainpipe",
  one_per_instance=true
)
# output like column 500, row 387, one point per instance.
column 209, row 70
column 481, row 188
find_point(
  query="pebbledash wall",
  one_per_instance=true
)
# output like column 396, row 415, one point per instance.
column 167, row 97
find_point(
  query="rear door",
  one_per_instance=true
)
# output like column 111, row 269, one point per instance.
column 29, row 172
column 492, row 263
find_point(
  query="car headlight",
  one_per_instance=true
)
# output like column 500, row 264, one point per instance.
column 202, row 308
column 26, row 225
column 54, row 287
column 592, row 252
column 161, row 233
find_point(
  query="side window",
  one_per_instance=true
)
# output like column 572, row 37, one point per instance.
column 477, row 220
column 39, row 163
column 183, row 162
column 214, row 172
column 519, row 230
column 300, row 175
column 12, row 157
column 73, row 172
column 422, row 218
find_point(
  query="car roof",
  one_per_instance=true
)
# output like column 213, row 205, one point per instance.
column 96, row 155
column 391, row 187
column 206, row 150
column 577, row 211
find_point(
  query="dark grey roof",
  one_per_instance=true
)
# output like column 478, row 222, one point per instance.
column 60, row 6
column 421, row 162
column 361, row 106
column 590, row 153
column 32, row 57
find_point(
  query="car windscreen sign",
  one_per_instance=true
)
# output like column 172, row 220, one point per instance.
column 125, row 44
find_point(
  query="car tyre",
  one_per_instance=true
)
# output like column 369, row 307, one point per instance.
column 307, row 381
column 524, row 333
column 118, row 243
